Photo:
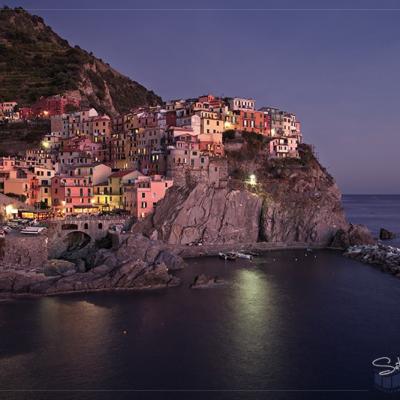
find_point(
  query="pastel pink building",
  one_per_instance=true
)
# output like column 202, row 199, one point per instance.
column 71, row 194
column 141, row 197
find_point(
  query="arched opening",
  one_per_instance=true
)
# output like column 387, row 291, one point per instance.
column 100, row 225
column 86, row 226
column 76, row 240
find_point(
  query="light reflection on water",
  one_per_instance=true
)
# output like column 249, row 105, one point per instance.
column 287, row 320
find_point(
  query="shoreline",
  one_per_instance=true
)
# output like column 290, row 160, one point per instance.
column 10, row 296
column 187, row 252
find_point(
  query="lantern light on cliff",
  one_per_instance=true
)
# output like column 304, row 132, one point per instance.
column 252, row 180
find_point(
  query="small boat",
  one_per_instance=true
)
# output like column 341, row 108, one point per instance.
column 228, row 256
column 244, row 255
column 253, row 253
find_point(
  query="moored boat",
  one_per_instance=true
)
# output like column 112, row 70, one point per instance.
column 244, row 255
column 231, row 256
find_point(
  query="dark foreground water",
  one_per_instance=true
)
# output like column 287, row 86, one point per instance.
column 291, row 325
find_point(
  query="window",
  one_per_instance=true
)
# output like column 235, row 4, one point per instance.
column 86, row 226
column 144, row 204
column 100, row 225
column 143, row 195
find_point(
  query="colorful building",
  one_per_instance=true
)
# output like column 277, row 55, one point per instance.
column 284, row 147
column 72, row 195
column 142, row 195
column 46, row 107
column 108, row 195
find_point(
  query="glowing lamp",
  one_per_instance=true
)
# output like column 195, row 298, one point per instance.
column 10, row 209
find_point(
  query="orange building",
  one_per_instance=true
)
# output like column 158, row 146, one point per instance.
column 251, row 121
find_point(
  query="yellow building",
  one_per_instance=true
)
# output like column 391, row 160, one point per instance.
column 108, row 195
column 210, row 122
column 44, row 176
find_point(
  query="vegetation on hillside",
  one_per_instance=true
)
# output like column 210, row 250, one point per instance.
column 18, row 137
column 35, row 61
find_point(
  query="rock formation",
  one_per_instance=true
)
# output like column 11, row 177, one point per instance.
column 385, row 257
column 208, row 215
column 384, row 234
column 205, row 282
column 292, row 201
column 352, row 236
column 137, row 263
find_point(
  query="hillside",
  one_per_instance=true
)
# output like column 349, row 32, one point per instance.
column 35, row 61
column 18, row 137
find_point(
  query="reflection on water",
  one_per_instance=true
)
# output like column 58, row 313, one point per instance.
column 288, row 320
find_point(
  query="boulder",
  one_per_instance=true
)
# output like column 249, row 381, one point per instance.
column 80, row 265
column 384, row 234
column 203, row 281
column 155, row 276
column 58, row 267
column 354, row 235
column 138, row 247
column 105, row 256
column 172, row 261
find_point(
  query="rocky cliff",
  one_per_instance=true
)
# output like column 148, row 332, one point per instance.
column 133, row 263
column 35, row 61
column 290, row 201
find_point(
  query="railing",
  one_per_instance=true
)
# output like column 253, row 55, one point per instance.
column 93, row 218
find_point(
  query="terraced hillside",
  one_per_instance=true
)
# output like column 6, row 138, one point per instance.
column 35, row 61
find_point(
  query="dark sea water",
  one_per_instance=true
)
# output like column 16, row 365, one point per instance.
column 290, row 325
column 376, row 212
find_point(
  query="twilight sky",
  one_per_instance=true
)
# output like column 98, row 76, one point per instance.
column 337, row 69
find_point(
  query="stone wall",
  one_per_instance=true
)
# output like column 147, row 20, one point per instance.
column 97, row 228
column 23, row 252
column 214, row 173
